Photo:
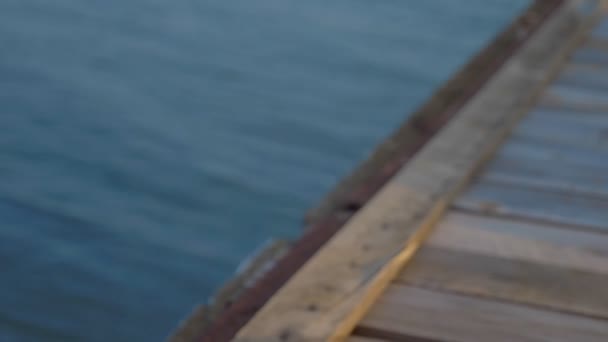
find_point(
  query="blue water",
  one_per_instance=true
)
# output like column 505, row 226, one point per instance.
column 147, row 147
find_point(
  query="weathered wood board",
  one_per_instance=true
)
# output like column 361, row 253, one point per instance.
column 585, row 130
column 554, row 151
column 541, row 265
column 450, row 317
column 536, row 160
column 461, row 231
column 512, row 280
column 529, row 203
column 549, row 176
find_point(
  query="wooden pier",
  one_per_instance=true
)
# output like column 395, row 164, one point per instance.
column 493, row 227
column 495, row 231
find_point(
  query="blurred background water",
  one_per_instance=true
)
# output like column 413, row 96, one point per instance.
column 148, row 146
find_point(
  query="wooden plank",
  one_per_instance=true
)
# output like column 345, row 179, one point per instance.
column 532, row 158
column 563, row 127
column 554, row 151
column 562, row 177
column 543, row 245
column 449, row 317
column 558, row 288
column 530, row 203
column 330, row 294
column 530, row 242
column 576, row 253
column 569, row 97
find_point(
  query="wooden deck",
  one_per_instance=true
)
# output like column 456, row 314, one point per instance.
column 496, row 231
column 522, row 254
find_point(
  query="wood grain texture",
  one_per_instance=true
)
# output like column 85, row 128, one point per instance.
column 572, row 128
column 508, row 200
column 557, row 149
column 531, row 147
column 562, row 177
column 529, row 264
column 329, row 295
column 534, row 159
column 520, row 240
column 450, row 317
column 521, row 282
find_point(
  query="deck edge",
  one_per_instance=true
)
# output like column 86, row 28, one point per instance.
column 302, row 310
column 224, row 326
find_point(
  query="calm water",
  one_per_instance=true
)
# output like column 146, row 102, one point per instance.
column 148, row 146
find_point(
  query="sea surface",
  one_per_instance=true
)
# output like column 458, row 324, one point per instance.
column 148, row 146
